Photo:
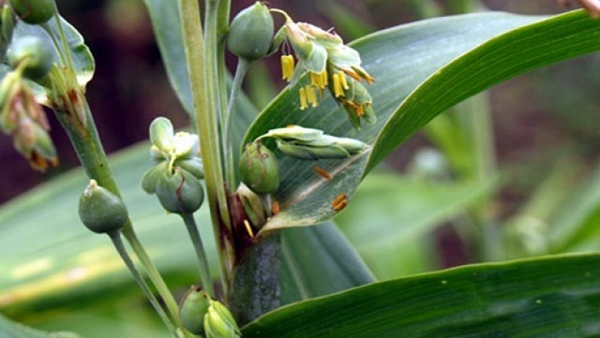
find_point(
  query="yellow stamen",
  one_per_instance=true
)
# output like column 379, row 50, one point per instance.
column 337, row 86
column 311, row 95
column 343, row 80
column 303, row 104
column 287, row 67
column 319, row 80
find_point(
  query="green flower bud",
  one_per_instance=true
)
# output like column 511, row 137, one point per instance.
column 193, row 165
column 35, row 52
column 153, row 175
column 161, row 134
column 193, row 309
column 34, row 11
column 253, row 205
column 100, row 210
column 312, row 152
column 180, row 192
column 259, row 168
column 251, row 32
column 219, row 323
column 294, row 132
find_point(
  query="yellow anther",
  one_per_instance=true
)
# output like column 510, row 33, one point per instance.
column 343, row 80
column 311, row 95
column 337, row 86
column 303, row 100
column 319, row 80
column 287, row 67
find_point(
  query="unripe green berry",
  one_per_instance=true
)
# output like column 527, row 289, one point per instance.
column 100, row 210
column 34, row 11
column 180, row 192
column 35, row 52
column 259, row 168
column 193, row 309
column 251, row 32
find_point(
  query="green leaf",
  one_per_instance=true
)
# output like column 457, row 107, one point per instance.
column 318, row 261
column 545, row 297
column 10, row 329
column 401, row 209
column 421, row 69
column 82, row 57
column 575, row 224
column 167, row 28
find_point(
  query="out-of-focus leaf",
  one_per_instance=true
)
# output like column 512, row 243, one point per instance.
column 388, row 210
column 167, row 28
column 129, row 317
column 575, row 225
column 527, row 232
column 545, row 297
column 421, row 69
column 10, row 329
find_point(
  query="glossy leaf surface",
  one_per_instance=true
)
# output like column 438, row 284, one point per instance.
column 545, row 297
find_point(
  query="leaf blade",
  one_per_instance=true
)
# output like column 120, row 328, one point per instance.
column 537, row 297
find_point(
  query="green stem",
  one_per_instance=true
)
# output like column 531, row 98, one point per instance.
column 153, row 274
column 201, row 62
column 86, row 142
column 192, row 229
column 118, row 243
column 238, row 79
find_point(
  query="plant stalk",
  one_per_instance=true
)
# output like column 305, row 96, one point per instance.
column 118, row 244
column 238, row 79
column 192, row 229
column 201, row 62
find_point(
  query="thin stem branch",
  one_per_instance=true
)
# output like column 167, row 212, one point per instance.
column 192, row 229
column 118, row 244
column 238, row 79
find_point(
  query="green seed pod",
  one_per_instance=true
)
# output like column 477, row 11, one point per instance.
column 34, row 11
column 219, row 323
column 251, row 32
column 193, row 165
column 259, row 168
column 152, row 176
column 161, row 134
column 100, row 210
column 180, row 192
column 35, row 52
column 193, row 309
